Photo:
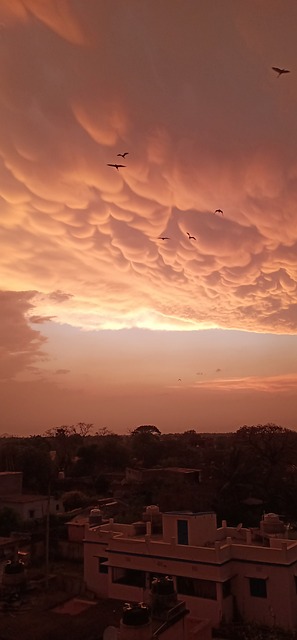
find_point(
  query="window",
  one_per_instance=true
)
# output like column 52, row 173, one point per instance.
column 258, row 587
column 295, row 583
column 31, row 513
column 103, row 568
column 182, row 532
column 130, row 577
column 197, row 588
column 226, row 588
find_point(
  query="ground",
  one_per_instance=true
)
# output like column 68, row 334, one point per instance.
column 55, row 615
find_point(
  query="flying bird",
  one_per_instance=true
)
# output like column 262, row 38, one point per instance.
column 164, row 238
column 219, row 211
column 179, row 380
column 123, row 155
column 116, row 166
column 191, row 237
column 280, row 71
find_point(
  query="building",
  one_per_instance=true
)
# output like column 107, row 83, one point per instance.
column 11, row 483
column 218, row 572
column 27, row 506
column 192, row 476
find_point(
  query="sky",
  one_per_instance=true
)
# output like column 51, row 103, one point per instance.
column 101, row 320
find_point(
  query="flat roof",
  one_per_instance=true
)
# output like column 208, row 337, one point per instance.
column 188, row 513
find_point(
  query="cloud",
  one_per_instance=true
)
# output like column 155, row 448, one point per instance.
column 280, row 384
column 206, row 127
column 40, row 319
column 21, row 346
column 60, row 372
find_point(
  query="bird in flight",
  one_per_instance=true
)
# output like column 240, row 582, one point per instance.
column 280, row 71
column 123, row 155
column 190, row 237
column 219, row 211
column 116, row 166
column 179, row 380
column 164, row 238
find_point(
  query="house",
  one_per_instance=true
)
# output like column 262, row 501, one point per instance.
column 218, row 572
column 27, row 506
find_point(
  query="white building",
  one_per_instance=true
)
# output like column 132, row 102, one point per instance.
column 218, row 572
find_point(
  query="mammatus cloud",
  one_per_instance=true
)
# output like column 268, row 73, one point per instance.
column 206, row 127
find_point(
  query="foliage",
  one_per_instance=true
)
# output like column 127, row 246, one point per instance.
column 74, row 500
column 146, row 428
column 102, row 484
column 9, row 521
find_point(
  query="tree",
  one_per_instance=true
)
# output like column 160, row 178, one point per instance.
column 146, row 447
column 9, row 521
column 83, row 429
column 273, row 444
column 74, row 500
column 146, row 428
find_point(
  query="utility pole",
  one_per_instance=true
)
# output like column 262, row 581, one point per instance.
column 47, row 522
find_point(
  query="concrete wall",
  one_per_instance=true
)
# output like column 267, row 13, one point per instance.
column 279, row 607
column 202, row 528
column 95, row 581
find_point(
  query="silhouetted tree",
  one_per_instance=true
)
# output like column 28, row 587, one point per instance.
column 146, row 428
column 9, row 521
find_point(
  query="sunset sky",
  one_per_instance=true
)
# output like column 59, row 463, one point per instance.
column 101, row 321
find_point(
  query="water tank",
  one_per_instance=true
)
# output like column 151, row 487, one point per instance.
column 95, row 517
column 163, row 595
column 136, row 623
column 163, row 586
column 135, row 615
column 14, row 574
column 152, row 509
column 272, row 524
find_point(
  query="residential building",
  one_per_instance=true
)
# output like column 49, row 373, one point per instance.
column 27, row 506
column 192, row 476
column 218, row 572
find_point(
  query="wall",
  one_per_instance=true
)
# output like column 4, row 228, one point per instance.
column 279, row 607
column 11, row 482
column 202, row 528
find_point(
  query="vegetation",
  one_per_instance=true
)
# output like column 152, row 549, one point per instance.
column 243, row 473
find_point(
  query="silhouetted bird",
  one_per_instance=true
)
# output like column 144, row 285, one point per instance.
column 280, row 71
column 179, row 380
column 163, row 238
column 116, row 166
column 219, row 211
column 191, row 237
column 123, row 155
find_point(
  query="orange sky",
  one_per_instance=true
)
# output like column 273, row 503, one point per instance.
column 99, row 317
